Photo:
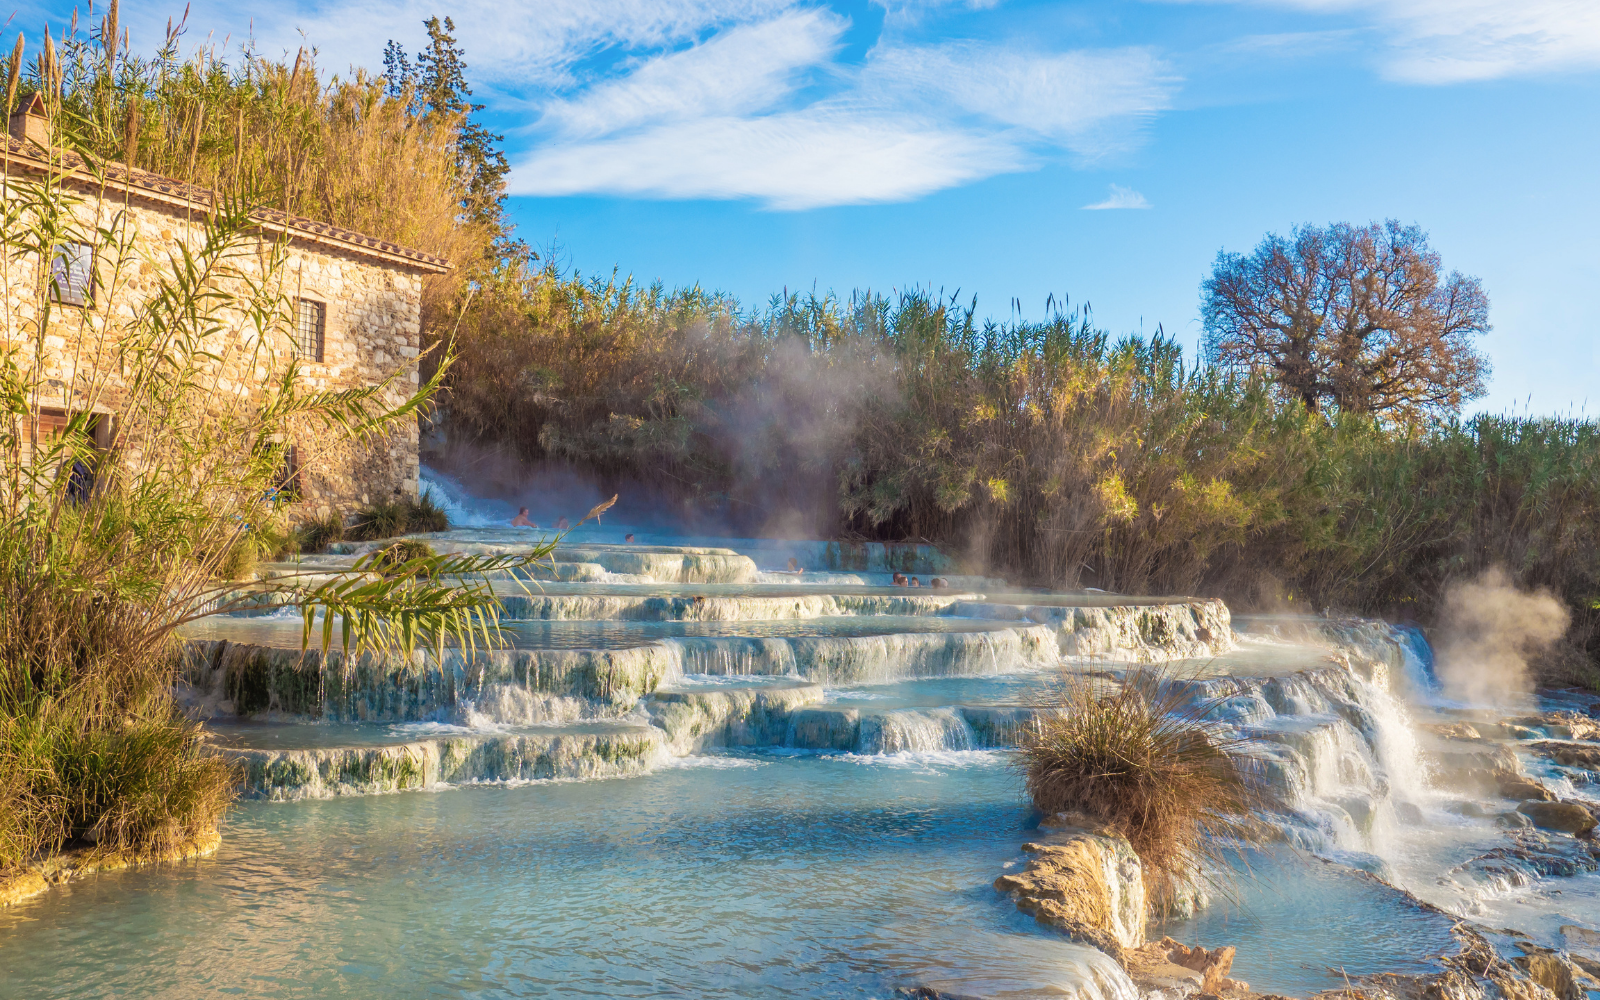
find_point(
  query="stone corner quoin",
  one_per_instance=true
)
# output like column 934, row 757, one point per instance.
column 369, row 293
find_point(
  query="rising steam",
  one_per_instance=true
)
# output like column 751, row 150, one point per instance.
column 1488, row 631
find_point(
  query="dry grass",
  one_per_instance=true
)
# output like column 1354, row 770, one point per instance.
column 1138, row 759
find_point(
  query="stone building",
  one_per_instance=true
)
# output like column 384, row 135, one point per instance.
column 357, row 305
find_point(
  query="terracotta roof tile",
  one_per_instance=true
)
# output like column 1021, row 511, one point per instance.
column 31, row 157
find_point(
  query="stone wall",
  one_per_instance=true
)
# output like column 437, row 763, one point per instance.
column 372, row 329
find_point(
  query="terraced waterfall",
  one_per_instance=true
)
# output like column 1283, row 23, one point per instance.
column 692, row 773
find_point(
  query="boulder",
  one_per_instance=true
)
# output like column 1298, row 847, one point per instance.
column 1566, row 725
column 1525, row 789
column 1569, row 754
column 1555, row 974
column 1564, row 817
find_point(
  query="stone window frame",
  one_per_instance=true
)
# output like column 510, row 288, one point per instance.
column 72, row 275
column 305, row 332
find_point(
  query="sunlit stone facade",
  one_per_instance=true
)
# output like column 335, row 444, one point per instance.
column 357, row 302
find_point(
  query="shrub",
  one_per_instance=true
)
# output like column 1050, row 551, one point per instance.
column 1137, row 758
column 399, row 516
column 426, row 514
column 318, row 533
column 238, row 561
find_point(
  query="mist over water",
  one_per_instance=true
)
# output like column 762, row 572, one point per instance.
column 1487, row 634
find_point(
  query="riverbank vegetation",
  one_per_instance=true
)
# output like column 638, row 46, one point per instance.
column 1048, row 450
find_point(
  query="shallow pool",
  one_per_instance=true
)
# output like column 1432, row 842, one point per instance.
column 738, row 876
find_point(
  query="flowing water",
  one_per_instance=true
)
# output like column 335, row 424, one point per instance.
column 742, row 875
column 696, row 773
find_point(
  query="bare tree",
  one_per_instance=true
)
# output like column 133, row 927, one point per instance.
column 1357, row 317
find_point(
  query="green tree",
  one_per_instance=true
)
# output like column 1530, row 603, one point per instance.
column 437, row 87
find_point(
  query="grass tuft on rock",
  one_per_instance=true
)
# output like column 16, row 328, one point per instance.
column 1137, row 758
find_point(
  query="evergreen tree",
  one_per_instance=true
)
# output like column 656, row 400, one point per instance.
column 438, row 85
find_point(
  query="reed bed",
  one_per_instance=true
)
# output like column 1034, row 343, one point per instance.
column 1049, row 450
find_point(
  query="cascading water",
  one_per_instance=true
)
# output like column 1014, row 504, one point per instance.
column 915, row 731
column 1420, row 678
column 812, row 769
column 463, row 509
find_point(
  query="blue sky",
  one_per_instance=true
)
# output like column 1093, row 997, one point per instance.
column 1104, row 151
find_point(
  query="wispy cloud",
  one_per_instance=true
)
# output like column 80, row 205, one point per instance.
column 511, row 44
column 735, row 117
column 748, row 99
column 743, row 70
column 1069, row 98
column 826, row 155
column 1453, row 41
column 1120, row 197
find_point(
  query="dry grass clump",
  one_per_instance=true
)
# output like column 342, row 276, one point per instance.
column 1138, row 759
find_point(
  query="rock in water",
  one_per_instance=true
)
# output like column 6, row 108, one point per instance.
column 1525, row 790
column 1171, row 966
column 1565, row 817
column 1088, row 885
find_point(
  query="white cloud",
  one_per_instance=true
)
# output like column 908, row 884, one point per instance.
column 1120, row 197
column 1452, row 41
column 1068, row 96
column 793, row 160
column 514, row 43
column 744, row 69
column 740, row 98
column 729, row 118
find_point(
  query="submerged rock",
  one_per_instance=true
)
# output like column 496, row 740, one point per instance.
column 1169, row 965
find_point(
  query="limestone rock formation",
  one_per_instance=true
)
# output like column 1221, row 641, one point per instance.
column 1086, row 883
column 1171, row 966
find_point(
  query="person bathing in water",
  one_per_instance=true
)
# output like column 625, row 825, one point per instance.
column 795, row 567
column 522, row 520
column 562, row 525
